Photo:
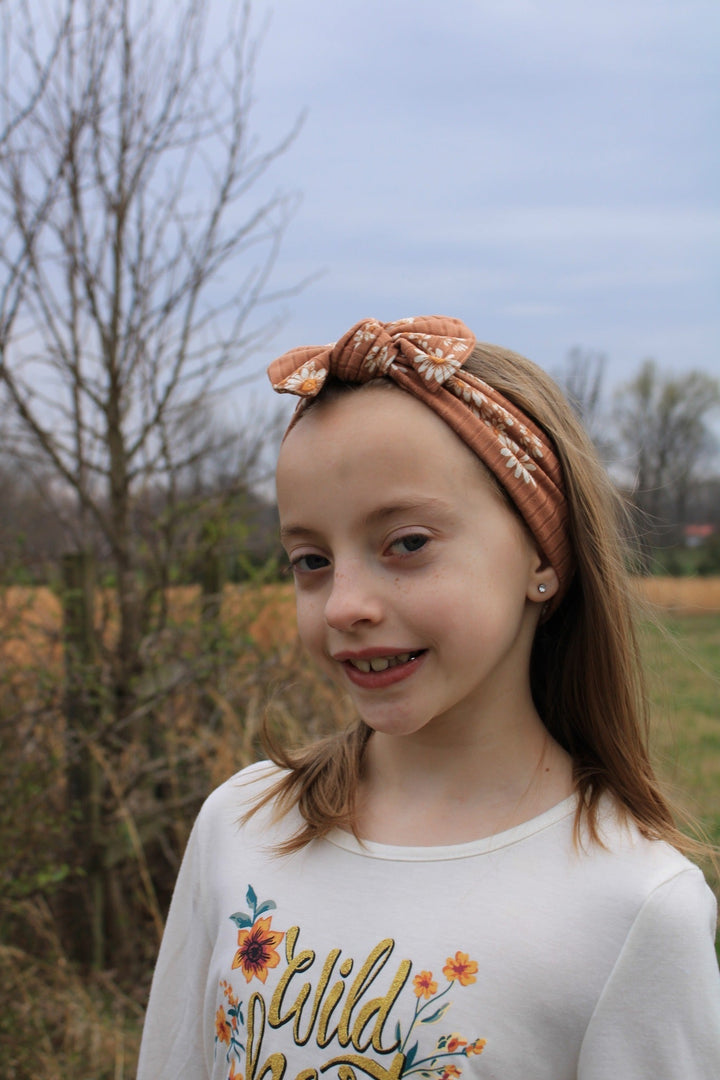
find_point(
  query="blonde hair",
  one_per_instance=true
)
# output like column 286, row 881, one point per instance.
column 586, row 673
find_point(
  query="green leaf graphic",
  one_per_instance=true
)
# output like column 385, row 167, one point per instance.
column 410, row 1057
column 241, row 919
column 437, row 1015
column 267, row 905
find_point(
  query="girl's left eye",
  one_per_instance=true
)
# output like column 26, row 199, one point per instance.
column 408, row 545
column 306, row 564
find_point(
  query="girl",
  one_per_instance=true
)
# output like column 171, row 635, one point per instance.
column 481, row 877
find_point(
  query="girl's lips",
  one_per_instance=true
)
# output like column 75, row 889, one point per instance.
column 401, row 666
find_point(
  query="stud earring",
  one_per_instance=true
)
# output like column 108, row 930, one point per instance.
column 542, row 587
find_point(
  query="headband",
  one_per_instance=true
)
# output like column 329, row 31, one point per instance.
column 425, row 357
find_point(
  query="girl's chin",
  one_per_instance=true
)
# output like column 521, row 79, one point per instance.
column 392, row 726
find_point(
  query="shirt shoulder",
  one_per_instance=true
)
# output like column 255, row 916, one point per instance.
column 240, row 807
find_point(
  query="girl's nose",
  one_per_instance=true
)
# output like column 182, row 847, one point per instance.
column 353, row 599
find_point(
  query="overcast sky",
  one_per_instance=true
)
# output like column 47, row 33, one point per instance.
column 547, row 171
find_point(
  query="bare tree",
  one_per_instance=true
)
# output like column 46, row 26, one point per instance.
column 136, row 247
column 582, row 379
column 137, row 240
column 666, row 440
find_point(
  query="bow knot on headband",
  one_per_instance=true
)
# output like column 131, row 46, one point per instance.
column 425, row 356
column 434, row 348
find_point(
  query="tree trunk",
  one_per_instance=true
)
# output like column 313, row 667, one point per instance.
column 84, row 780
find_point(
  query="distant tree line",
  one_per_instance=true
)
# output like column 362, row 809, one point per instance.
column 656, row 434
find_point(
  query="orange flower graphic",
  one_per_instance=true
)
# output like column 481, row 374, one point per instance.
column 450, row 1072
column 222, row 1028
column 425, row 985
column 228, row 992
column 460, row 967
column 454, row 1043
column 476, row 1047
column 256, row 950
column 232, row 1075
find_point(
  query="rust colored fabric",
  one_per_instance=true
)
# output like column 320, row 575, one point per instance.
column 425, row 357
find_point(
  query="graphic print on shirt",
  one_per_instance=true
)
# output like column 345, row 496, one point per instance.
column 352, row 1029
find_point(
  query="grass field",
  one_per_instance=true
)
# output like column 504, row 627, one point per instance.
column 683, row 656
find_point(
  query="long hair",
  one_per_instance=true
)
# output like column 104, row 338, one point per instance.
column 586, row 673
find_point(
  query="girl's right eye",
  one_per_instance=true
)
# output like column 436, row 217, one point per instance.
column 409, row 543
column 306, row 564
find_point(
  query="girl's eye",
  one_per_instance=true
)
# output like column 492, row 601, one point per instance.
column 305, row 564
column 408, row 545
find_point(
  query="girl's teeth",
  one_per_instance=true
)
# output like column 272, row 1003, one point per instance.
column 381, row 663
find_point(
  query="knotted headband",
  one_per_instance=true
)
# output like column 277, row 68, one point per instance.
column 425, row 357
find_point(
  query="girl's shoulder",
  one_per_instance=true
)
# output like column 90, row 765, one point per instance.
column 243, row 788
column 645, row 870
column 232, row 805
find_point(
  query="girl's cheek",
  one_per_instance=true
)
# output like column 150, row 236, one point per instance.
column 309, row 622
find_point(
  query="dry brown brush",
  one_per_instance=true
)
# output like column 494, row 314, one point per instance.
column 200, row 708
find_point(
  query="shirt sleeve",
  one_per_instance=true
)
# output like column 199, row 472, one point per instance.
column 173, row 1039
column 659, row 1013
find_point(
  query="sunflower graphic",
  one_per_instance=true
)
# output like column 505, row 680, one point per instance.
column 256, row 953
column 257, row 941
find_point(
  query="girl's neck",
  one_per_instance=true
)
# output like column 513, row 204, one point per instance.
column 422, row 791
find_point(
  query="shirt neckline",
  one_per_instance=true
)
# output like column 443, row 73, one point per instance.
column 370, row 849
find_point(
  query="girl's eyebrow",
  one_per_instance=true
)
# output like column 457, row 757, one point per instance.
column 420, row 505
column 425, row 504
column 291, row 532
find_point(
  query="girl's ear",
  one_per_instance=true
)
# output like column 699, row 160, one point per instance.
column 543, row 581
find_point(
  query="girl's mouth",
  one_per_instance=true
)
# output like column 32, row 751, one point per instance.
column 382, row 663
column 379, row 672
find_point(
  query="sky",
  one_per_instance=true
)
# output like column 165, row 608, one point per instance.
column 547, row 171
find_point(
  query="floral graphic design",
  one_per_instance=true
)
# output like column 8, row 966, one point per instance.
column 437, row 1065
column 228, row 1021
column 257, row 941
column 460, row 967
column 256, row 955
column 417, row 1051
column 425, row 985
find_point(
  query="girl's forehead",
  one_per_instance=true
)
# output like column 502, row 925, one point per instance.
column 360, row 411
column 378, row 427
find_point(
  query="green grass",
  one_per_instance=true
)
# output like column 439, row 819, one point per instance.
column 683, row 657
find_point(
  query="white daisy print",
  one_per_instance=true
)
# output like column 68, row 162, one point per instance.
column 379, row 360
column 517, row 460
column 305, row 382
column 436, row 365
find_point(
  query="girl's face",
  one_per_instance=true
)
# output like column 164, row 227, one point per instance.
column 415, row 582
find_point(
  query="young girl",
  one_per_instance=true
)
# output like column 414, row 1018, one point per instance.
column 482, row 876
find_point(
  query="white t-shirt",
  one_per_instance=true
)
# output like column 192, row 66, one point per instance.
column 515, row 957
